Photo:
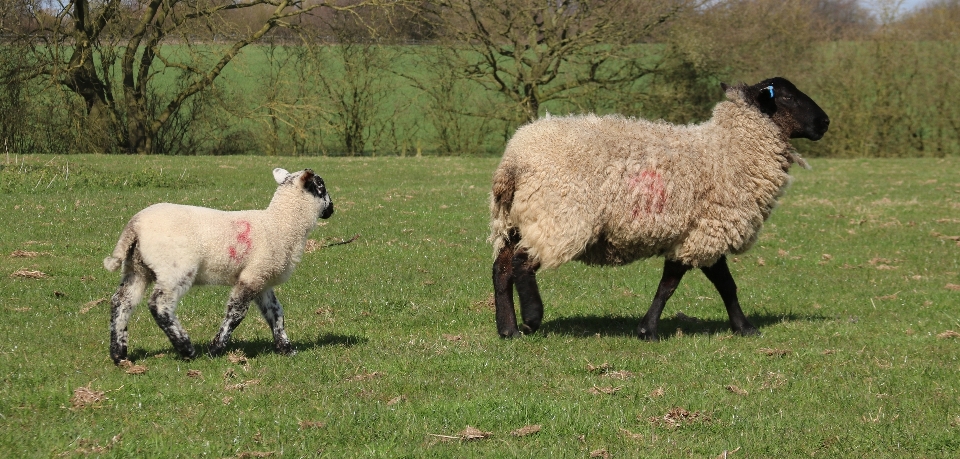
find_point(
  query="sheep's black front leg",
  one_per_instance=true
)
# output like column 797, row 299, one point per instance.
column 720, row 275
column 525, row 280
column 503, row 293
column 273, row 313
column 673, row 272
column 237, row 305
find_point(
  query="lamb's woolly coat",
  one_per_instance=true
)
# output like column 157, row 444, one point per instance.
column 259, row 248
column 610, row 190
column 177, row 246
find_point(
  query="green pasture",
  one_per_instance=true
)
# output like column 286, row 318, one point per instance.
column 853, row 285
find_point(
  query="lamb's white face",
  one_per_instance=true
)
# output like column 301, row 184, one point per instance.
column 310, row 183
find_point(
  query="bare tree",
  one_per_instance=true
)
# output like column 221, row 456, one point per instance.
column 535, row 51
column 136, row 64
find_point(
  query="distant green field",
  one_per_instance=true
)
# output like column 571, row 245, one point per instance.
column 853, row 284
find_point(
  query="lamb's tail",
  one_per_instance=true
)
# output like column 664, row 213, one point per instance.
column 127, row 239
column 501, row 201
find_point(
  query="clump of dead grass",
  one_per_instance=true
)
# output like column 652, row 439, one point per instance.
column 679, row 417
column 85, row 397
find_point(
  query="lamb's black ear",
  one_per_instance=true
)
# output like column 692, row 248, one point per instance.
column 724, row 86
column 307, row 176
column 766, row 100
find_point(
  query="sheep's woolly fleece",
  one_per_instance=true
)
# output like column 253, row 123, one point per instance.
column 610, row 190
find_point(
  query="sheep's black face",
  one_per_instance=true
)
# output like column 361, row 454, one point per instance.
column 795, row 112
column 314, row 185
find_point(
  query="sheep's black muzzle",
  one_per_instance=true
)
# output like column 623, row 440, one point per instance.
column 327, row 211
column 819, row 127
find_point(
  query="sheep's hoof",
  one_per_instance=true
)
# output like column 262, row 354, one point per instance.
column 189, row 354
column 647, row 334
column 509, row 334
column 529, row 329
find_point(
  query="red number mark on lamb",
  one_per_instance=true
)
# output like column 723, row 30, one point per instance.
column 651, row 195
column 239, row 250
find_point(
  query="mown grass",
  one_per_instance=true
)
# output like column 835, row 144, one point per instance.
column 852, row 285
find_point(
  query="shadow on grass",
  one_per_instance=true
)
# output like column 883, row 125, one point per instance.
column 627, row 326
column 255, row 347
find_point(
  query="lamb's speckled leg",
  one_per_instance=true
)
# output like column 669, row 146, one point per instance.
column 163, row 307
column 237, row 305
column 525, row 280
column 273, row 313
column 720, row 275
column 673, row 272
column 503, row 293
column 124, row 301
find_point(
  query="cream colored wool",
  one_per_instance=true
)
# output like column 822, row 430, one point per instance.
column 259, row 248
column 611, row 190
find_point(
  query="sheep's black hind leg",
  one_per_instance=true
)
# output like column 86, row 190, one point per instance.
column 720, row 275
column 237, row 306
column 503, row 293
column 525, row 280
column 163, row 306
column 128, row 295
column 273, row 313
column 673, row 272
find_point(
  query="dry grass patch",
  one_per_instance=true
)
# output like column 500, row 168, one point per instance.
column 84, row 397
column 470, row 433
column 311, row 425
column 679, row 417
column 92, row 304
column 365, row 376
column 736, row 390
column 29, row 274
column 526, row 430
column 774, row 352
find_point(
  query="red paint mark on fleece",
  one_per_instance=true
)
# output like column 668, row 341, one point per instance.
column 652, row 194
column 243, row 243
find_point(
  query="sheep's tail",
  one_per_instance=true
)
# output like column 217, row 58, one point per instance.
column 127, row 239
column 501, row 201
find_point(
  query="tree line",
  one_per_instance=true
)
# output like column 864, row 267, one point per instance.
column 363, row 77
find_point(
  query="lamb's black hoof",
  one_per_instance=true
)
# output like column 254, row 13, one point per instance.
column 215, row 351
column 118, row 355
column 285, row 349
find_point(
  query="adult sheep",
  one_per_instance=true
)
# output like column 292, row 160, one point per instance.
column 177, row 246
column 610, row 190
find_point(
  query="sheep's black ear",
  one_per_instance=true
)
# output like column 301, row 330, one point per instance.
column 724, row 86
column 766, row 100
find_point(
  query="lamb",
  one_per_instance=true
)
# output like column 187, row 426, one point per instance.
column 176, row 246
column 610, row 190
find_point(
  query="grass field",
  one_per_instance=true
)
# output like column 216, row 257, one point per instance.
column 854, row 286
